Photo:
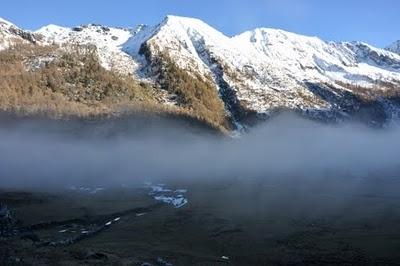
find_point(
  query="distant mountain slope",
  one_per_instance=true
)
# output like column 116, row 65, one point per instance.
column 238, row 80
column 394, row 47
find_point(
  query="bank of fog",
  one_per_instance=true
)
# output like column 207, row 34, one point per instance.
column 286, row 147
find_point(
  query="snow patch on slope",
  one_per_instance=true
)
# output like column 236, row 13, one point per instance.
column 140, row 35
column 109, row 42
column 312, row 59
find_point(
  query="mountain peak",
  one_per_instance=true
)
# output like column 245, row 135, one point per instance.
column 182, row 19
column 50, row 27
column 6, row 22
column 188, row 24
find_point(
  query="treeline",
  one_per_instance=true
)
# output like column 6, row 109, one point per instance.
column 381, row 89
column 37, row 79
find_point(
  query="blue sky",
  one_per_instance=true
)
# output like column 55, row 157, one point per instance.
column 373, row 21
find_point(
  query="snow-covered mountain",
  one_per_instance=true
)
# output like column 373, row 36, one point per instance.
column 10, row 34
column 256, row 72
column 268, row 69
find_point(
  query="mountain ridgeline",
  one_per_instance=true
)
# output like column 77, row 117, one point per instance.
column 184, row 67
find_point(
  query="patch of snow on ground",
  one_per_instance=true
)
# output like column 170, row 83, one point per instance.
column 89, row 190
column 173, row 197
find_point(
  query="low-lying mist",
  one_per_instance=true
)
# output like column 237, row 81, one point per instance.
column 34, row 154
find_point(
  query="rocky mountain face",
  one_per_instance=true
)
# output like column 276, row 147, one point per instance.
column 235, row 81
column 11, row 34
column 394, row 47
